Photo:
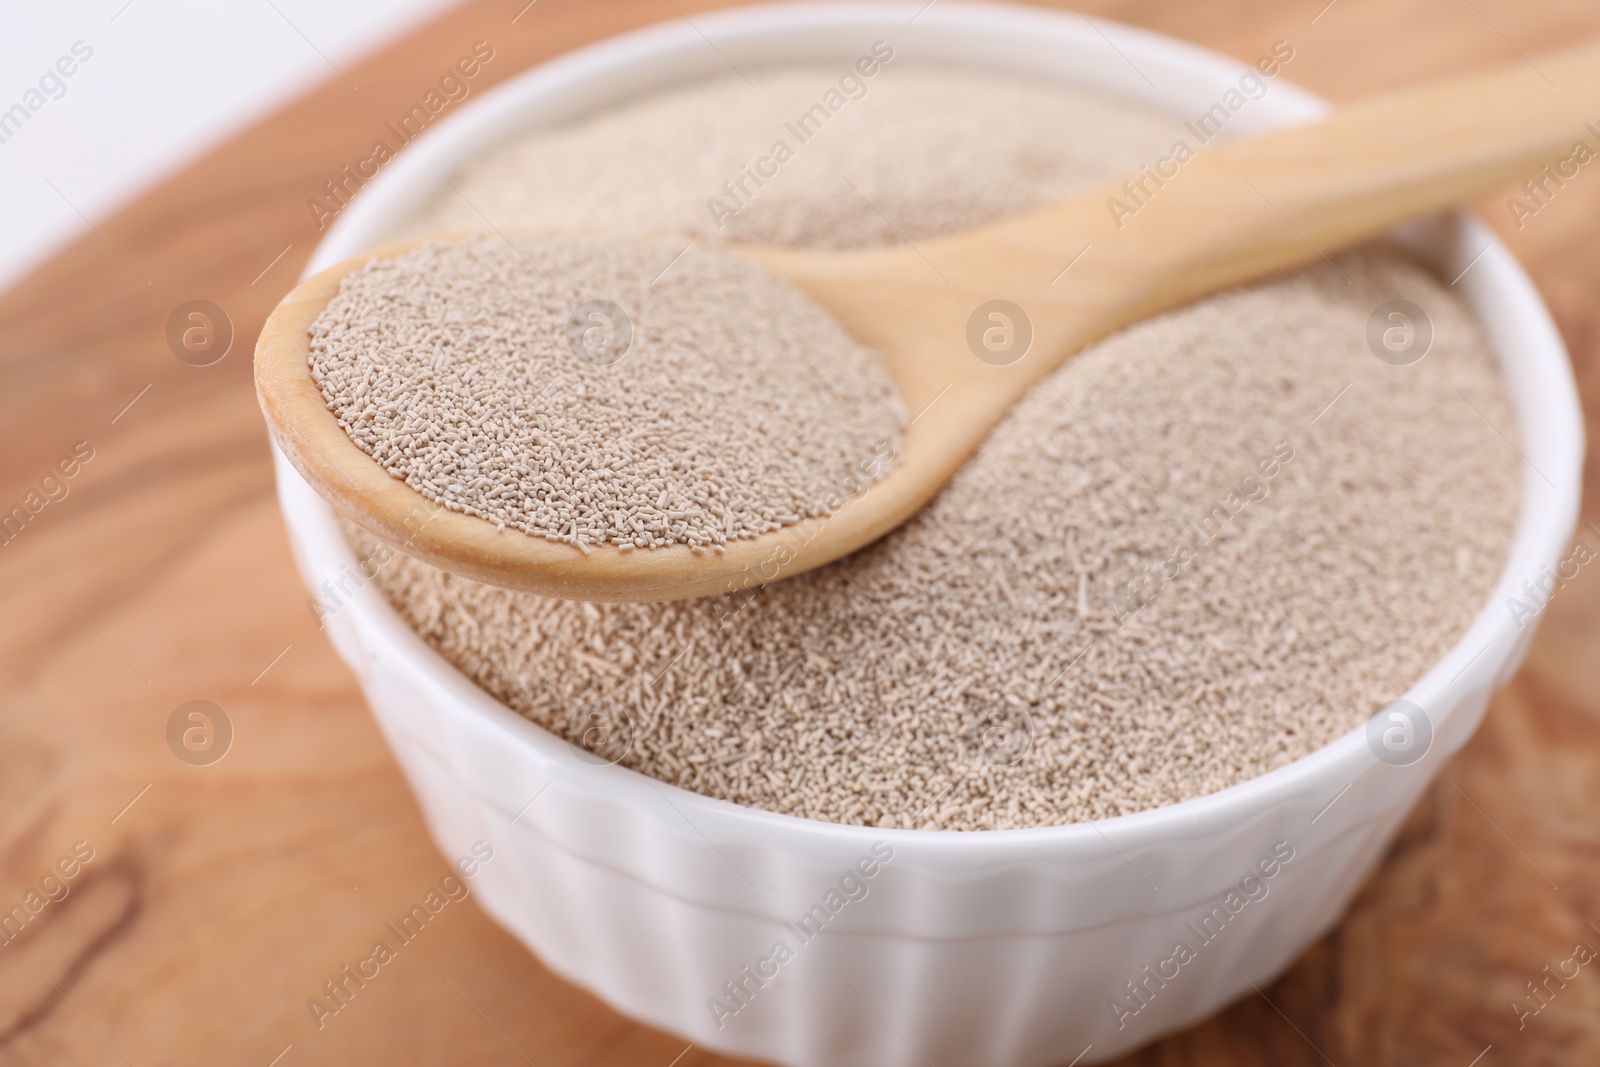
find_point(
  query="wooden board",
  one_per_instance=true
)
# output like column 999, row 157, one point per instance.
column 219, row 898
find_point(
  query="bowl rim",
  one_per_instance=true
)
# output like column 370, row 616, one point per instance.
column 1484, row 655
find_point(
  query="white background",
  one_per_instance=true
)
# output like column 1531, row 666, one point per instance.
column 168, row 79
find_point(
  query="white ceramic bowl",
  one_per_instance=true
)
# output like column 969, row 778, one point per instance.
column 996, row 948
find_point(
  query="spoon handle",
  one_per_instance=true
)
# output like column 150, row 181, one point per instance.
column 1229, row 212
column 1239, row 210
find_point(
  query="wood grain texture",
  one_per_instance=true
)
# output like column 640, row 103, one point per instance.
column 227, row 894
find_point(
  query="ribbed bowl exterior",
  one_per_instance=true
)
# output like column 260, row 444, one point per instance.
column 1010, row 948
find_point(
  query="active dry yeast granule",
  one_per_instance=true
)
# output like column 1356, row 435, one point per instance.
column 1206, row 546
column 603, row 390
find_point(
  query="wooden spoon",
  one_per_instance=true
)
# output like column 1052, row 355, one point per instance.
column 1069, row 274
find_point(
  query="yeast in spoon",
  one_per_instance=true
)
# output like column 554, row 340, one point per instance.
column 604, row 391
